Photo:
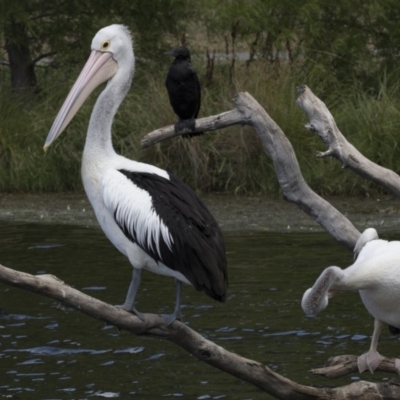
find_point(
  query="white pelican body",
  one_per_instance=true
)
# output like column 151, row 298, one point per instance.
column 149, row 215
column 376, row 275
column 104, row 186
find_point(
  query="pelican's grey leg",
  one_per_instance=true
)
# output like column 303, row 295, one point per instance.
column 170, row 318
column 129, row 304
column 372, row 358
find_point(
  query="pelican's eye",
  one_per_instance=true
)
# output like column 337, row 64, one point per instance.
column 105, row 45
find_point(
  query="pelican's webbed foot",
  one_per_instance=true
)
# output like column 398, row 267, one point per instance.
column 170, row 318
column 132, row 310
column 129, row 304
column 369, row 361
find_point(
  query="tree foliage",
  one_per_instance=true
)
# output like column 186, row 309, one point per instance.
column 350, row 46
column 63, row 29
column 338, row 41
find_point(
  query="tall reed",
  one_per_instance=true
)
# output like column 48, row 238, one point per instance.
column 230, row 160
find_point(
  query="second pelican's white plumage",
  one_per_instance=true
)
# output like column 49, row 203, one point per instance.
column 150, row 216
column 376, row 275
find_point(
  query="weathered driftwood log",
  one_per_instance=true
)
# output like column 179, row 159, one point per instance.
column 185, row 337
column 228, row 118
column 276, row 144
column 323, row 124
column 343, row 365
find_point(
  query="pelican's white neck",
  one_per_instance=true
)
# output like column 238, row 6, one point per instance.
column 98, row 139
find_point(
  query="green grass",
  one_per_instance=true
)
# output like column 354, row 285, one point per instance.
column 230, row 160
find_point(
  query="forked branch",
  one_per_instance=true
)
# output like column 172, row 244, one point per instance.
column 323, row 124
column 247, row 111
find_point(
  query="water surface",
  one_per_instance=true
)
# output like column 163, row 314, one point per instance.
column 49, row 353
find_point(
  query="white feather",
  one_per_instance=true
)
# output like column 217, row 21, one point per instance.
column 133, row 207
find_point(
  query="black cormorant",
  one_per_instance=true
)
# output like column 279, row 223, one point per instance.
column 183, row 88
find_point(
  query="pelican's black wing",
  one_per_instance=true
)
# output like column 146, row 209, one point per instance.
column 171, row 224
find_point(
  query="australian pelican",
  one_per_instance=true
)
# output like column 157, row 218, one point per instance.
column 376, row 275
column 149, row 215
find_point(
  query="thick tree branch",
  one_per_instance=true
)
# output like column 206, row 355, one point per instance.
column 41, row 56
column 178, row 333
column 185, row 337
column 206, row 124
column 276, row 144
column 339, row 366
column 323, row 124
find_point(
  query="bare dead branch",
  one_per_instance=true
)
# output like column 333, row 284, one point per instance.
column 276, row 144
column 323, row 124
column 41, row 56
column 178, row 333
column 206, row 124
column 339, row 366
column 185, row 337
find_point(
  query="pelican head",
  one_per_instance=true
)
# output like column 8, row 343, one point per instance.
column 111, row 52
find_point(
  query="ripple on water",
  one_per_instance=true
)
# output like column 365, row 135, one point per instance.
column 155, row 357
column 359, row 337
column 107, row 395
column 95, row 288
column 107, row 363
column 226, row 329
column 56, row 351
column 131, row 350
column 32, row 361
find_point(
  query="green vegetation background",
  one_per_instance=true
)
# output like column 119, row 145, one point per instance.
column 345, row 51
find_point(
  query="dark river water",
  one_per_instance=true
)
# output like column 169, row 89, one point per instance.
column 49, row 353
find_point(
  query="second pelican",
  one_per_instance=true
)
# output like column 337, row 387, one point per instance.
column 376, row 276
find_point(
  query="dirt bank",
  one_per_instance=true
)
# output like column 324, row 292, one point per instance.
column 232, row 212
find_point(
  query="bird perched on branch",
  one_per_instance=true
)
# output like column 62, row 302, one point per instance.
column 149, row 215
column 184, row 92
column 376, row 275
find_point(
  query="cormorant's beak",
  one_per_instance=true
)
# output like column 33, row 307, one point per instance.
column 99, row 67
column 170, row 53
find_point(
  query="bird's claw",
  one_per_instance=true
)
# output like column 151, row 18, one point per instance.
column 170, row 318
column 132, row 310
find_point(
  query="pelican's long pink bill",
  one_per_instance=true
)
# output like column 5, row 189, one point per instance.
column 99, row 67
